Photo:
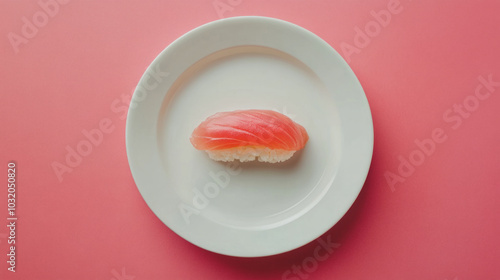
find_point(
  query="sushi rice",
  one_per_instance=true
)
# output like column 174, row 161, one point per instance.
column 250, row 153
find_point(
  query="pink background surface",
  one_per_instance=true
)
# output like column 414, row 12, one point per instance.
column 440, row 222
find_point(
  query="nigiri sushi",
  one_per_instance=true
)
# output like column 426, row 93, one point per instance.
column 247, row 135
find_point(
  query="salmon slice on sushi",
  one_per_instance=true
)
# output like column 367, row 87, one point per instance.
column 248, row 135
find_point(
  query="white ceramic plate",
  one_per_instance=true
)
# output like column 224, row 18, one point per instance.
column 253, row 209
